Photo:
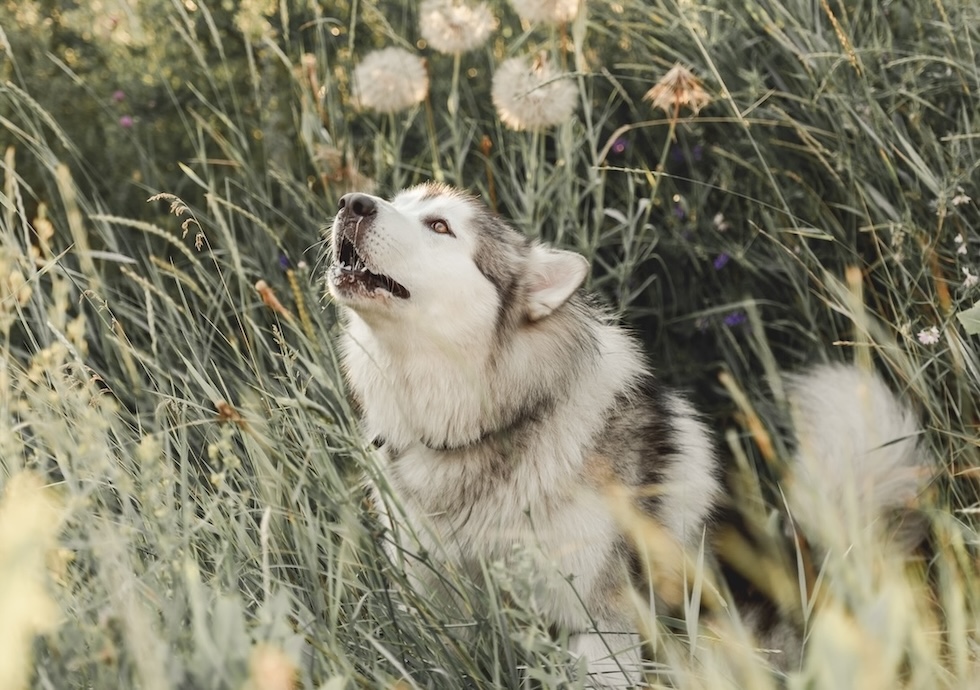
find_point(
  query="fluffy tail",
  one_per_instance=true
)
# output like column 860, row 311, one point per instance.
column 860, row 463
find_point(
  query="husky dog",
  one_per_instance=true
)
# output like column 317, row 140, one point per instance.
column 505, row 403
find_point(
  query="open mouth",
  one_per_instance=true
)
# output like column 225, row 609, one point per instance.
column 351, row 274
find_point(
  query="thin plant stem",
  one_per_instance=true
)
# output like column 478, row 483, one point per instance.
column 452, row 107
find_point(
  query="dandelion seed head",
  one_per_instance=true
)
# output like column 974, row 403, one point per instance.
column 455, row 26
column 389, row 80
column 531, row 94
column 546, row 11
column 679, row 88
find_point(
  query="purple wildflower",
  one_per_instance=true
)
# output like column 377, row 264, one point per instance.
column 721, row 260
column 679, row 155
column 118, row 96
column 619, row 146
column 736, row 318
column 284, row 262
column 126, row 121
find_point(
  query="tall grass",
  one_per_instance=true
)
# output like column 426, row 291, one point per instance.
column 177, row 444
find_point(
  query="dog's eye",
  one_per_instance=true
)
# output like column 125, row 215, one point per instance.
column 440, row 226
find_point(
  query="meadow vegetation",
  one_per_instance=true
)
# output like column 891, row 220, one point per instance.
column 180, row 467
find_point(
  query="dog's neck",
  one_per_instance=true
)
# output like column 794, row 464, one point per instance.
column 416, row 388
column 497, row 436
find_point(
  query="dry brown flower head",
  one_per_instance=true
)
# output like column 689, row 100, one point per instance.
column 270, row 300
column 676, row 89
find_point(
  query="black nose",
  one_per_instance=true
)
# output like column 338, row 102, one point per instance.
column 358, row 204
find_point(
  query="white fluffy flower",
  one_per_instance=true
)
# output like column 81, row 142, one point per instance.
column 531, row 94
column 929, row 336
column 547, row 11
column 969, row 279
column 960, row 244
column 455, row 26
column 389, row 80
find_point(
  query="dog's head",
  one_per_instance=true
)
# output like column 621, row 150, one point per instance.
column 434, row 253
column 457, row 324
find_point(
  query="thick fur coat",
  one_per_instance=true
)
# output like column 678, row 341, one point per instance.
column 505, row 404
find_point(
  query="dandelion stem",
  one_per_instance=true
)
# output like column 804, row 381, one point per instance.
column 486, row 146
column 430, row 124
column 662, row 163
column 452, row 106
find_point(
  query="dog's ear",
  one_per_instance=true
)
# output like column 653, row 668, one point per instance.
column 553, row 275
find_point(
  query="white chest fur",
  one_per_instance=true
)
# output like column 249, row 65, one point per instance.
column 471, row 509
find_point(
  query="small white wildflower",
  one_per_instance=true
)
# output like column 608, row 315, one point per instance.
column 960, row 244
column 721, row 225
column 929, row 336
column 455, row 26
column 546, row 11
column 531, row 94
column 969, row 279
column 897, row 236
column 961, row 197
column 389, row 80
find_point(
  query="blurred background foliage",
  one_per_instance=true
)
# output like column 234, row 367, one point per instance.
column 808, row 137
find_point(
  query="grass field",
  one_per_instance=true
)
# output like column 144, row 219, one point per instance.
column 182, row 503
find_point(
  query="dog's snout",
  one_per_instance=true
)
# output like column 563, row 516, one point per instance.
column 358, row 204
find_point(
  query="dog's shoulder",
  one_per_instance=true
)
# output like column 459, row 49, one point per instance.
column 658, row 447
